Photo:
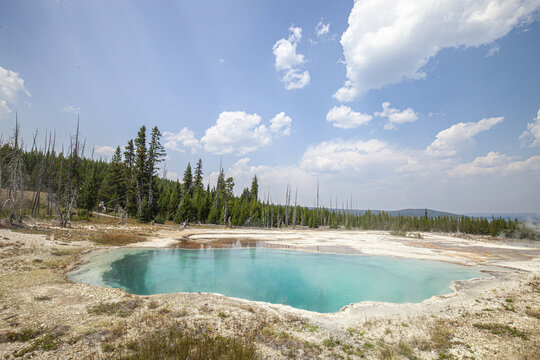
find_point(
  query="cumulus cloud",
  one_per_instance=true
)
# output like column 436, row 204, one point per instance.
column 396, row 116
column 10, row 87
column 378, row 173
column 104, row 150
column 495, row 163
column 295, row 79
column 272, row 179
column 345, row 118
column 385, row 49
column 532, row 132
column 71, row 109
column 289, row 61
column 322, row 28
column 449, row 141
column 236, row 132
column 281, row 124
column 183, row 139
column 356, row 156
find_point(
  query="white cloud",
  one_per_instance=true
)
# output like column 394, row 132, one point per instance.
column 495, row 163
column 172, row 175
column 321, row 28
column 10, row 87
column 379, row 175
column 295, row 79
column 289, row 61
column 285, row 50
column 345, row 118
column 183, row 139
column 237, row 133
column 221, row 61
column 272, row 179
column 396, row 116
column 493, row 50
column 389, row 41
column 449, row 141
column 281, row 124
column 355, row 156
column 104, row 150
column 4, row 109
column 533, row 131
column 71, row 109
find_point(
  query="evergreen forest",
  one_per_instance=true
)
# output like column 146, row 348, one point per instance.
column 45, row 181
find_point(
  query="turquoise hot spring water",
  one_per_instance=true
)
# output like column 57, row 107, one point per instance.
column 312, row 281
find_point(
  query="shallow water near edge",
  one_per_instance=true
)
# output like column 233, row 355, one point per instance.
column 311, row 281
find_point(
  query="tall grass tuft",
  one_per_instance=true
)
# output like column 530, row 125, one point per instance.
column 176, row 344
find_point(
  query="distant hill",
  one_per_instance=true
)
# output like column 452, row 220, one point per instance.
column 409, row 212
column 528, row 217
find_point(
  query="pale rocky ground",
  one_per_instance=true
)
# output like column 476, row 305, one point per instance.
column 36, row 294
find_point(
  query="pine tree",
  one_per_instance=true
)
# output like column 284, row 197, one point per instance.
column 254, row 192
column 131, row 191
column 156, row 153
column 114, row 188
column 89, row 190
column 141, row 171
column 197, row 177
column 187, row 180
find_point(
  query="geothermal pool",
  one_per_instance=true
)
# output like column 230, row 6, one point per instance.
column 311, row 281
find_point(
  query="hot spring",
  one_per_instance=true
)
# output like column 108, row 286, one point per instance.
column 312, row 281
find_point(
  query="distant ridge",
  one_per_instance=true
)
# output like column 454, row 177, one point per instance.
column 528, row 217
column 408, row 212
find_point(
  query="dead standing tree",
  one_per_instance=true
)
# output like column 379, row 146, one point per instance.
column 64, row 199
column 15, row 180
column 41, row 174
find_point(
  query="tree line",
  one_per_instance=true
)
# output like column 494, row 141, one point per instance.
column 129, row 184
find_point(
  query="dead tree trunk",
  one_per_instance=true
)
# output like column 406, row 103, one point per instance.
column 15, row 178
column 294, row 213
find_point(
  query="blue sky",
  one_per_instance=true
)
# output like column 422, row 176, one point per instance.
column 393, row 105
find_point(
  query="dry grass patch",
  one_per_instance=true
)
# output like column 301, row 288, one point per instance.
column 41, row 340
column 121, row 308
column 441, row 337
column 25, row 279
column 175, row 343
column 116, row 238
column 533, row 313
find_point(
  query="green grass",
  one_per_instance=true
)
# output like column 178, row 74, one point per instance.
column 499, row 329
column 406, row 351
column 23, row 335
column 47, row 342
column 222, row 315
column 121, row 308
column 58, row 252
column 177, row 344
column 330, row 343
